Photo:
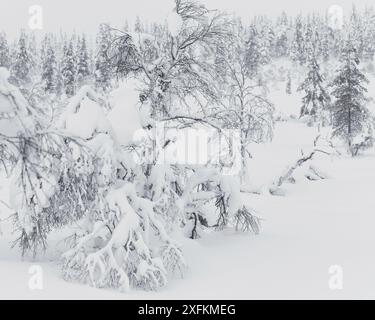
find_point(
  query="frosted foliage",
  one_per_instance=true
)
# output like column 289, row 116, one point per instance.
column 124, row 258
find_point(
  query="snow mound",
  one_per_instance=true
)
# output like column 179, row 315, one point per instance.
column 4, row 75
column 126, row 115
column 84, row 116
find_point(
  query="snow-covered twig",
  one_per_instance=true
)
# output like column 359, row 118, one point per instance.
column 289, row 172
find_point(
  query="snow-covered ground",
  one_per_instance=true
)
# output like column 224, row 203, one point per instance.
column 316, row 225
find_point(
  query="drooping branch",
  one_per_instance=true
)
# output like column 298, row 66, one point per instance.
column 289, row 172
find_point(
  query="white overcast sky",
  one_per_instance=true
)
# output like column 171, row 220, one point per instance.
column 85, row 15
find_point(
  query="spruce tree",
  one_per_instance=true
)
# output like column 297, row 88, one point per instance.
column 83, row 67
column 316, row 99
column 4, row 51
column 349, row 111
column 282, row 42
column 308, row 42
column 266, row 42
column 49, row 69
column 68, row 69
column 138, row 25
column 297, row 50
column 21, row 68
column 324, row 48
column 356, row 31
column 252, row 54
column 369, row 34
column 34, row 57
column 126, row 26
column 103, row 70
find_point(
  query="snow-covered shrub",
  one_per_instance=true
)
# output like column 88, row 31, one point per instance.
column 211, row 197
column 48, row 189
column 124, row 241
column 363, row 141
column 117, row 252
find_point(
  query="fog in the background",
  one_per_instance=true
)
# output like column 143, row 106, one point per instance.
column 85, row 15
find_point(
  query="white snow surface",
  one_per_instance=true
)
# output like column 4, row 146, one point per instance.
column 126, row 116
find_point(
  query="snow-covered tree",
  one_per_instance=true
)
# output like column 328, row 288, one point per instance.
column 315, row 102
column 83, row 67
column 247, row 108
column 369, row 34
column 103, row 67
column 21, row 67
column 266, row 41
column 49, row 68
column 138, row 25
column 51, row 187
column 253, row 56
column 349, row 110
column 126, row 26
column 35, row 61
column 356, row 31
column 4, row 51
column 68, row 69
column 154, row 197
column 325, row 48
column 178, row 66
column 297, row 49
column 123, row 242
column 281, row 35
